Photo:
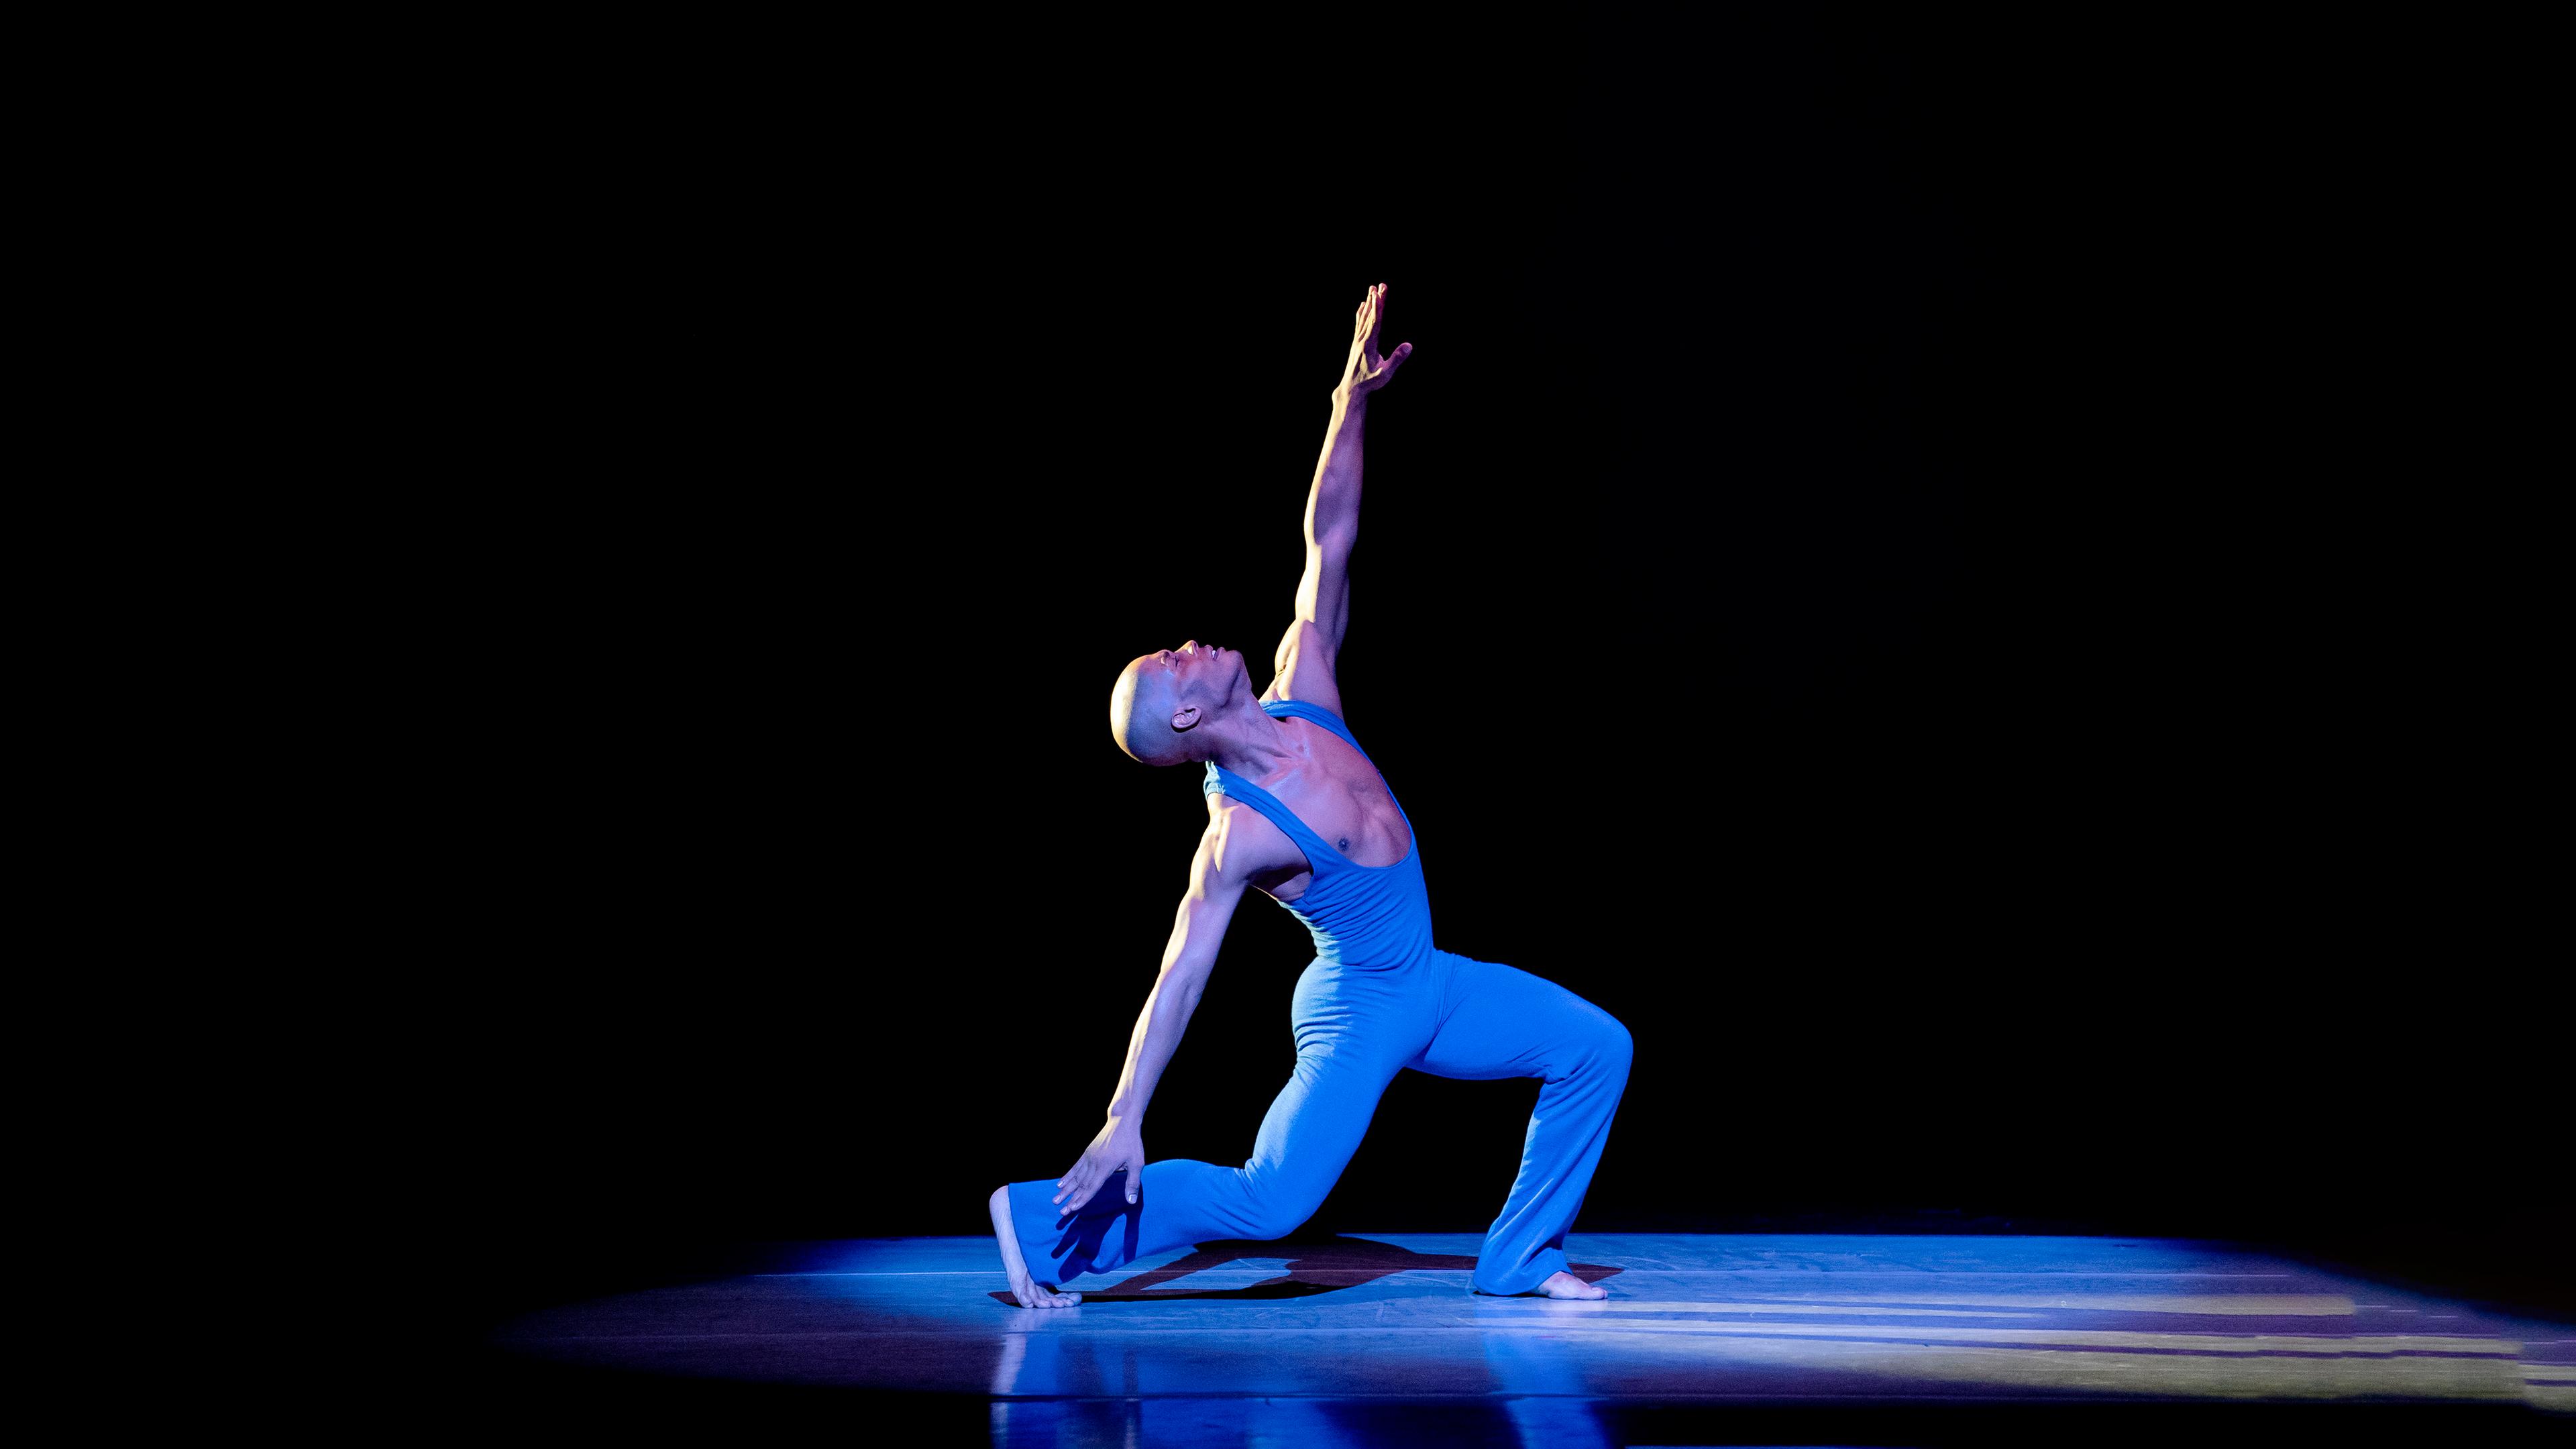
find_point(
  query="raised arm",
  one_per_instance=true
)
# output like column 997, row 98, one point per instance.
column 1234, row 853
column 1308, row 650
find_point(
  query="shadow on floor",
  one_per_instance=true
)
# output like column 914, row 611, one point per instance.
column 1314, row 1268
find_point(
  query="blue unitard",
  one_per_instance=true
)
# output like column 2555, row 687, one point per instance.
column 1377, row 998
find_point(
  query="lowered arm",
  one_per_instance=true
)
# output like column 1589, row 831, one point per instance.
column 1230, row 857
column 1198, row 929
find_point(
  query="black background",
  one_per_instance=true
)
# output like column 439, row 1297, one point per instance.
column 1955, row 580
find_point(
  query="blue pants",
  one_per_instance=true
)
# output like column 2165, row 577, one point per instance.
column 1444, row 1014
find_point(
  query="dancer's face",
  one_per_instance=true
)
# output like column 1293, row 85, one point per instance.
column 1202, row 673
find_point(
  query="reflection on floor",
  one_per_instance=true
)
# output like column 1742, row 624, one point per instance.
column 1316, row 1343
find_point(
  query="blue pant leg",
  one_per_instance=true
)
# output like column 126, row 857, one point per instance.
column 1504, row 1022
column 1355, row 1030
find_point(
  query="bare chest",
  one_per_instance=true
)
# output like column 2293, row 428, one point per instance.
column 1338, row 795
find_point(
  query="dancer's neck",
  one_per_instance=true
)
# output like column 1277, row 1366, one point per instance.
column 1249, row 742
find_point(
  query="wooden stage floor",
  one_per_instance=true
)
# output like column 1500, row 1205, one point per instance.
column 1369, row 1339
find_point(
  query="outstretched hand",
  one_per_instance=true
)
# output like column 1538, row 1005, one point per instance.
column 1364, row 372
column 1120, row 1144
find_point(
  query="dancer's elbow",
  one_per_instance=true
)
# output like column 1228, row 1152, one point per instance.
column 1185, row 977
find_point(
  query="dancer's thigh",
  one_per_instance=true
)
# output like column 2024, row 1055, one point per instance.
column 1504, row 1022
column 1355, row 1031
column 1317, row 1120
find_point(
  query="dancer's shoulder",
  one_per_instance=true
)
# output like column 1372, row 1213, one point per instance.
column 1306, row 669
column 1316, row 715
column 1242, row 840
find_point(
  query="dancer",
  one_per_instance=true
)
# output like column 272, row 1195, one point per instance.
column 1297, row 811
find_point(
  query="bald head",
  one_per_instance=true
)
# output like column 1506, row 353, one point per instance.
column 1162, row 700
column 1140, row 714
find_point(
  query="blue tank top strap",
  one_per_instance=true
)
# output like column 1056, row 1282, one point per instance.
column 1369, row 918
column 1226, row 782
column 1317, row 714
column 1222, row 781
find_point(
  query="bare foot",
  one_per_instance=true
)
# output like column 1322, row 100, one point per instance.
column 1566, row 1285
column 1031, row 1294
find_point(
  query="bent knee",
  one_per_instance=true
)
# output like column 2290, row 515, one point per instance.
column 1616, row 1048
column 1276, row 1215
column 1276, row 1220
